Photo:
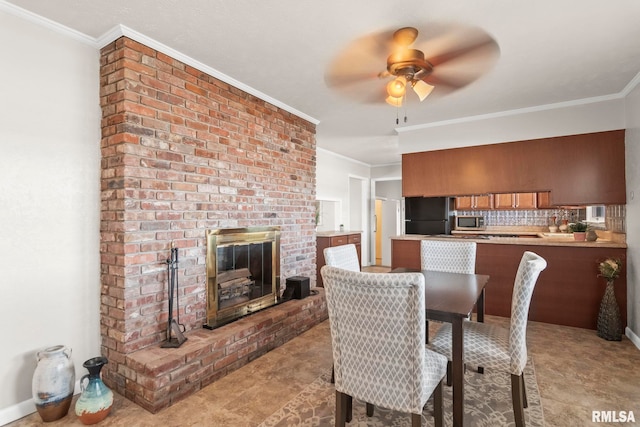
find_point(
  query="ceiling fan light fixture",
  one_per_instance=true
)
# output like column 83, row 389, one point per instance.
column 394, row 101
column 397, row 87
column 422, row 89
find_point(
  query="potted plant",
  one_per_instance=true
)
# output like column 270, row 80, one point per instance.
column 579, row 230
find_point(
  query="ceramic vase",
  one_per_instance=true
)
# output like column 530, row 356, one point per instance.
column 609, row 322
column 96, row 399
column 53, row 382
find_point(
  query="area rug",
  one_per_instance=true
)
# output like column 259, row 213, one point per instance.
column 487, row 403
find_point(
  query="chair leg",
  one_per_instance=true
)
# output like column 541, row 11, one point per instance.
column 349, row 408
column 449, row 374
column 333, row 375
column 437, row 405
column 427, row 333
column 370, row 407
column 517, row 399
column 416, row 420
column 341, row 409
column 525, row 404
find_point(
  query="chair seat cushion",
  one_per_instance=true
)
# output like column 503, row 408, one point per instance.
column 484, row 345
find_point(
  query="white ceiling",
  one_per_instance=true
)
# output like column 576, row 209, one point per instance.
column 550, row 52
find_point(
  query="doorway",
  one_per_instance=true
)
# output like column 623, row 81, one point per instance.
column 387, row 225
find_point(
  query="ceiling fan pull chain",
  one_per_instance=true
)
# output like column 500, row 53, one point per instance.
column 405, row 109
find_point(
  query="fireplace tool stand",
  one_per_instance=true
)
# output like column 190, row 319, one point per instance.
column 173, row 325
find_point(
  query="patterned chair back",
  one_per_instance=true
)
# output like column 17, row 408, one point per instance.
column 529, row 269
column 344, row 256
column 378, row 336
column 448, row 256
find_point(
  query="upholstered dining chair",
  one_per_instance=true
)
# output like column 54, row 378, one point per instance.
column 494, row 347
column 377, row 323
column 344, row 256
column 451, row 256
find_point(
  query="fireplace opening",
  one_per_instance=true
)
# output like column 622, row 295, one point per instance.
column 243, row 272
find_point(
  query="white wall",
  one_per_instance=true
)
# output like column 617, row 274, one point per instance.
column 632, row 160
column 50, row 203
column 333, row 175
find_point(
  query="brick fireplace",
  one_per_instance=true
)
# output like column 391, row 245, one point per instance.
column 183, row 152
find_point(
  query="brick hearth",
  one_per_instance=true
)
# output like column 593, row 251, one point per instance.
column 183, row 152
column 160, row 377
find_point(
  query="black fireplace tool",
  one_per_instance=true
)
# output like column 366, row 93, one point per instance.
column 173, row 326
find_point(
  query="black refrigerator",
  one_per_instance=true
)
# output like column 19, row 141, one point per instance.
column 428, row 215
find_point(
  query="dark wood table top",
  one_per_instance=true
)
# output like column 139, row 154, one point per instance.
column 450, row 295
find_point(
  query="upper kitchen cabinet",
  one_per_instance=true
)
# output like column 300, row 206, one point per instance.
column 583, row 169
column 515, row 201
column 464, row 203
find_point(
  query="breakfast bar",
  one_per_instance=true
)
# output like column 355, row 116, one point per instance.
column 567, row 293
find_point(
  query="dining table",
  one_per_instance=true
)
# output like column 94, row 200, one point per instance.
column 451, row 297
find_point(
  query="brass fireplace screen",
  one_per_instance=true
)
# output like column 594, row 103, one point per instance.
column 243, row 272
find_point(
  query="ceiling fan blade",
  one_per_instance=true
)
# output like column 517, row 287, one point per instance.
column 485, row 47
column 361, row 61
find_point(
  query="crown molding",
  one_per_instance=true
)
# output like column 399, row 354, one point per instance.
column 121, row 30
column 46, row 23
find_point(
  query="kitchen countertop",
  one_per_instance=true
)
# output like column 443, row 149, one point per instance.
column 526, row 239
column 336, row 233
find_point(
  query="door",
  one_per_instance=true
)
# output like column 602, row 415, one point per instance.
column 390, row 227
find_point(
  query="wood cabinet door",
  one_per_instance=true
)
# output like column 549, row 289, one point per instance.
column 474, row 202
column 544, row 200
column 504, row 201
column 526, row 200
column 483, row 202
column 463, row 203
column 515, row 201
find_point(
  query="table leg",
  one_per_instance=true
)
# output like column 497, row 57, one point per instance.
column 480, row 318
column 457, row 368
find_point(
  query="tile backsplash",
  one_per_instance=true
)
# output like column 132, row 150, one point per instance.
column 614, row 217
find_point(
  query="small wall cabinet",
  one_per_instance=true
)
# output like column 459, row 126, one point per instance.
column 331, row 239
column 483, row 202
column 515, row 201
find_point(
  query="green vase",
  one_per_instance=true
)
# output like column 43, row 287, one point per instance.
column 96, row 400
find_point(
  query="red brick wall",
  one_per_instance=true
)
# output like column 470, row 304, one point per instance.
column 183, row 152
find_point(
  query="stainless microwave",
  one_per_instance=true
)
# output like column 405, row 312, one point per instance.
column 469, row 222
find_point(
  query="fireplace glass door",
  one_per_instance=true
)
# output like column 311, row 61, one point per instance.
column 242, row 272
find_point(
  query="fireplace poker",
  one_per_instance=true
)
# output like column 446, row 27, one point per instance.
column 173, row 325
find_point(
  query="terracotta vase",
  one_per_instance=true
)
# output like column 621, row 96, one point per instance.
column 53, row 382
column 609, row 321
column 96, row 400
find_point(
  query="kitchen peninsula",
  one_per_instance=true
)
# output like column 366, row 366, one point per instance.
column 567, row 293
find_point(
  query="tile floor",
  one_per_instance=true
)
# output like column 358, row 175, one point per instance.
column 577, row 372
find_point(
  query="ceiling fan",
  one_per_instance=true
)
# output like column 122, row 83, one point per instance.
column 456, row 55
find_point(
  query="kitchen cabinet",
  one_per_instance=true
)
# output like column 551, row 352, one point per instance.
column 515, row 201
column 544, row 200
column 405, row 253
column 568, row 292
column 586, row 169
column 483, row 202
column 331, row 239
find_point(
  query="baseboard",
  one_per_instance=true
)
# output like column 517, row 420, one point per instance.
column 24, row 408
column 17, row 411
column 633, row 337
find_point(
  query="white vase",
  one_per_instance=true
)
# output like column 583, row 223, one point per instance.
column 53, row 382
